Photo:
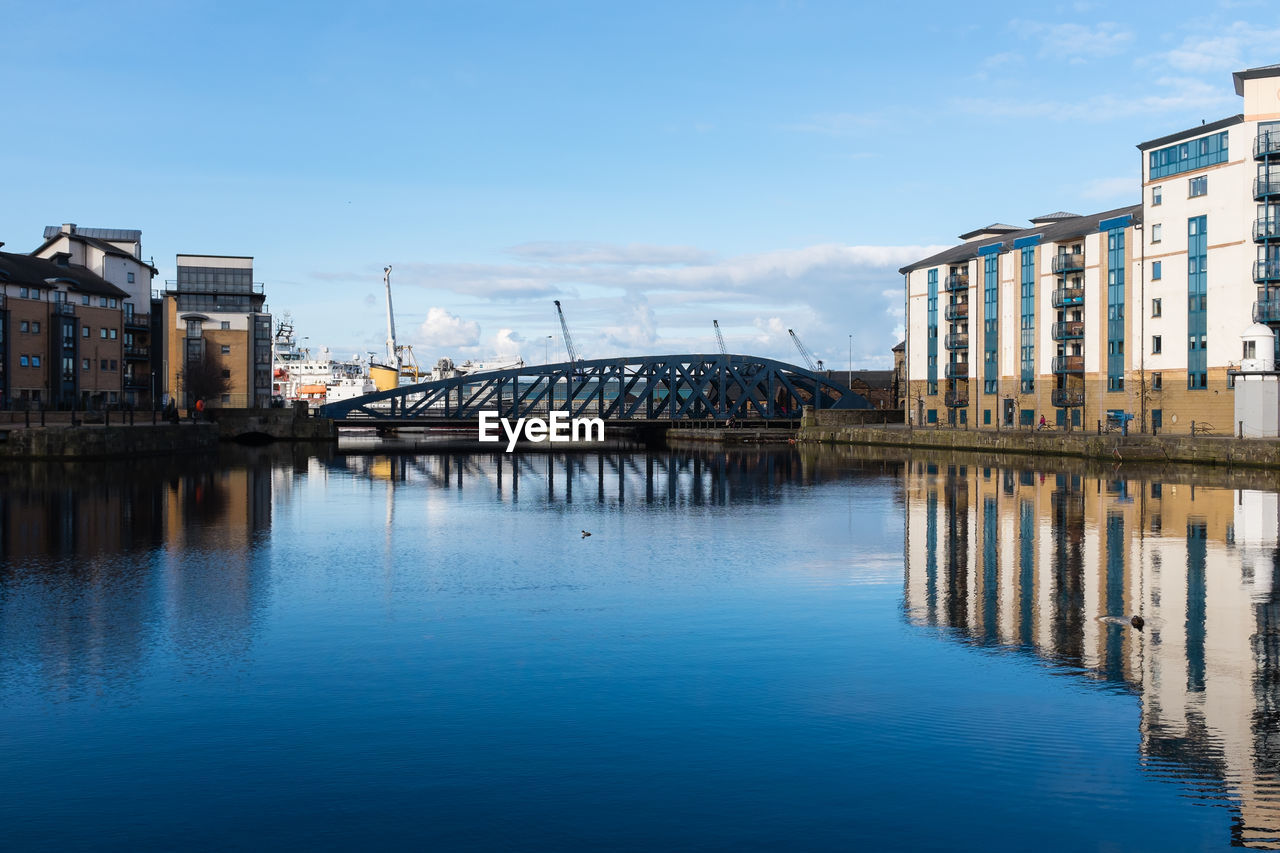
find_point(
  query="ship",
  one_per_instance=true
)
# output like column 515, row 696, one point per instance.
column 297, row 374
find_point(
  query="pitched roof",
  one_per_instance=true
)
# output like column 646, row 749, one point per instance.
column 993, row 228
column 1050, row 217
column 42, row 272
column 1055, row 231
column 91, row 237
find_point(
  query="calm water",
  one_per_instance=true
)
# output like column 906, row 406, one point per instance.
column 751, row 651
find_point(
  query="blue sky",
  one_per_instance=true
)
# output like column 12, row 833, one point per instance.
column 653, row 165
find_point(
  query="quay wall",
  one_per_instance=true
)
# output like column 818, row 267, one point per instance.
column 275, row 424
column 93, row 442
column 832, row 427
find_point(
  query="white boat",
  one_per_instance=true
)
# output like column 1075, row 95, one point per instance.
column 297, row 374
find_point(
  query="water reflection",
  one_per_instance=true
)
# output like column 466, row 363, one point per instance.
column 1056, row 563
column 101, row 563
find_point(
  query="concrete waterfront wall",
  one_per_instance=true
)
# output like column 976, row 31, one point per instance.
column 90, row 442
column 277, row 424
column 818, row 427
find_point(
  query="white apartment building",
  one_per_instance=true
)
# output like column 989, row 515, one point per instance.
column 1137, row 314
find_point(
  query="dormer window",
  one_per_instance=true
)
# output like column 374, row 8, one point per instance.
column 62, row 259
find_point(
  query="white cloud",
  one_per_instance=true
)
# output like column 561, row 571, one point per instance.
column 443, row 330
column 1239, row 45
column 602, row 253
column 1077, row 43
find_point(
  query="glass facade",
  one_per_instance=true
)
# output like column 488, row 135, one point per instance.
column 933, row 332
column 1115, row 309
column 990, row 324
column 1027, row 346
column 1197, row 303
column 1185, row 156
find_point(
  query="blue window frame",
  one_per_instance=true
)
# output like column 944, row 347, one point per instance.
column 1197, row 303
column 1186, row 156
column 990, row 323
column 933, row 333
column 1028, row 328
column 1115, row 309
column 1155, row 270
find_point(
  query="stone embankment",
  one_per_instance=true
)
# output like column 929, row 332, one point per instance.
column 834, row 427
column 59, row 435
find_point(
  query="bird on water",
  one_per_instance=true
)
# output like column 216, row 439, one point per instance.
column 585, row 534
column 1137, row 622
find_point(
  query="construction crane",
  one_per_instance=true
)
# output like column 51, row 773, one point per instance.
column 804, row 351
column 719, row 337
column 568, row 339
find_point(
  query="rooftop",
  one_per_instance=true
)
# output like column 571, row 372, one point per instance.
column 45, row 273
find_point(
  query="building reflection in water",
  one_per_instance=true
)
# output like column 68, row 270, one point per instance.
column 103, row 562
column 1056, row 563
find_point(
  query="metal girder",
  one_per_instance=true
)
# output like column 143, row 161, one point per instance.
column 655, row 387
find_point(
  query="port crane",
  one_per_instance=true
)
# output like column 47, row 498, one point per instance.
column 568, row 339
column 804, row 351
column 720, row 337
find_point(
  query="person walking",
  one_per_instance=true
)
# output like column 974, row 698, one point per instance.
column 200, row 410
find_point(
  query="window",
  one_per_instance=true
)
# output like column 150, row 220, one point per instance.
column 102, row 302
column 23, row 292
column 103, row 365
column 59, row 296
column 35, row 327
column 84, row 331
column 115, row 303
column 1157, row 196
column 104, row 334
column 35, row 361
column 24, row 326
column 1250, row 349
column 226, row 400
column 226, row 350
column 1157, row 421
column 130, row 278
column 226, row 325
column 1157, row 381
column 1198, row 186
column 84, row 299
column 1155, row 270
column 193, row 328
column 1186, row 156
column 1155, row 233
column 113, row 333
column 226, row 374
column 1155, row 344
column 1155, row 307
column 24, row 361
column 84, row 364
column 114, row 364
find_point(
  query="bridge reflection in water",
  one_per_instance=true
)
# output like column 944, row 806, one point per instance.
column 1055, row 564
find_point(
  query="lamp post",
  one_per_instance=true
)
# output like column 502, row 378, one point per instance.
column 851, row 357
column 546, row 357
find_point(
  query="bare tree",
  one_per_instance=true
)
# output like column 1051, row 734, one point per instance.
column 205, row 379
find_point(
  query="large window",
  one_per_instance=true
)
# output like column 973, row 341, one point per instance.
column 1027, row 343
column 1197, row 299
column 1185, row 156
column 933, row 332
column 990, row 323
column 1115, row 309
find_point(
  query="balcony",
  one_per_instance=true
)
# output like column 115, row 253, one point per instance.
column 1266, row 188
column 66, row 309
column 958, row 311
column 1065, row 398
column 956, row 399
column 958, row 370
column 956, row 341
column 137, row 321
column 960, row 280
column 1066, row 262
column 1267, row 271
column 1266, row 145
column 137, row 352
column 1068, row 364
column 1065, row 297
column 1267, row 308
column 174, row 287
column 1068, row 331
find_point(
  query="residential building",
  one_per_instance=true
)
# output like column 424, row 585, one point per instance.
column 1133, row 315
column 61, row 334
column 115, row 254
column 214, row 315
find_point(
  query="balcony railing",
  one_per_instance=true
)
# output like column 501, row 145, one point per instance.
column 1068, row 364
column 1068, row 330
column 959, row 340
column 958, row 311
column 1266, row 145
column 958, row 370
column 1266, row 271
column 139, row 320
column 1067, row 296
column 137, row 352
column 1265, row 188
column 172, row 286
column 1064, row 398
column 956, row 399
column 1068, row 262
column 66, row 309
column 1267, row 308
column 958, row 281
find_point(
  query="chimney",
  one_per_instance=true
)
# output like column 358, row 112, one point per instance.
column 68, row 228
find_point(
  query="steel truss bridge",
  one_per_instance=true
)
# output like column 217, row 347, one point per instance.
column 632, row 389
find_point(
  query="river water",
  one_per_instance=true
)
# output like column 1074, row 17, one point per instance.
column 752, row 650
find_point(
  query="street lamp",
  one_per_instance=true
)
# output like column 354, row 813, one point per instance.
column 850, row 357
column 546, row 357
